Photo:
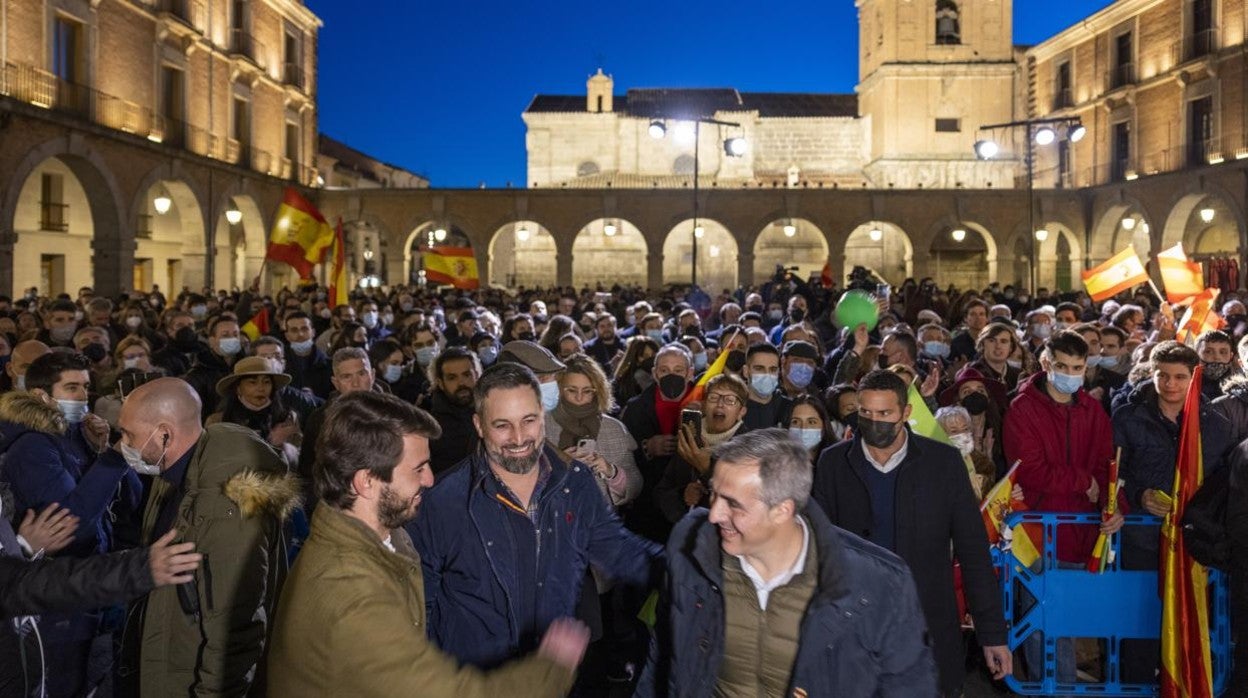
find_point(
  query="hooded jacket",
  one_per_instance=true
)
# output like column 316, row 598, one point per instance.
column 352, row 622
column 1061, row 450
column 1234, row 406
column 208, row 637
column 459, row 435
column 863, row 634
column 209, row 368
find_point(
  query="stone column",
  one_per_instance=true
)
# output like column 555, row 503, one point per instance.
column 654, row 270
column 112, row 264
column 836, row 267
column 563, row 260
column 194, row 271
column 745, row 269
column 8, row 239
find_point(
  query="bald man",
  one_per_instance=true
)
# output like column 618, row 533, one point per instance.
column 20, row 359
column 226, row 490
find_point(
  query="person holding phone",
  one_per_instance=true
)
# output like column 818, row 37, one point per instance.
column 581, row 426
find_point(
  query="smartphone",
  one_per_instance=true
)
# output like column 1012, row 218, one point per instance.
column 883, row 290
column 587, row 446
column 694, row 418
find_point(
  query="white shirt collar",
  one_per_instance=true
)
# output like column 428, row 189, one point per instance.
column 764, row 589
column 895, row 460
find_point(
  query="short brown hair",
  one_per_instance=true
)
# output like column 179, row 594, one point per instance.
column 364, row 431
column 730, row 383
column 585, row 366
column 1172, row 352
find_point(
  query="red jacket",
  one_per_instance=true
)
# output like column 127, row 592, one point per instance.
column 1061, row 448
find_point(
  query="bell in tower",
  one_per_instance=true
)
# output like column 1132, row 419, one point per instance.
column 948, row 27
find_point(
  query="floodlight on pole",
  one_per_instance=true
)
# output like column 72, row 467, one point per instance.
column 699, row 232
column 986, row 149
column 1045, row 135
column 1077, row 133
column 657, row 129
column 735, row 146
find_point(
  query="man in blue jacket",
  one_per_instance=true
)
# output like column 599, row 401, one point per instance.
column 506, row 537
column 764, row 596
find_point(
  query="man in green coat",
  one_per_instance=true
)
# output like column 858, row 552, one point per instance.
column 352, row 616
column 227, row 491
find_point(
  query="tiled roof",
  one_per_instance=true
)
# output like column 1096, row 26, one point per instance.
column 675, row 103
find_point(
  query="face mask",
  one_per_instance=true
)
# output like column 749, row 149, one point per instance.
column 199, row 311
column 1042, row 331
column 764, row 383
column 975, row 403
column 936, row 350
column 1107, row 361
column 488, row 354
column 797, row 315
column 426, row 355
column 809, row 437
column 755, row 309
column 699, row 361
column 550, row 395
column 646, row 365
column 776, row 314
column 406, row 307
column 134, row 321
column 527, row 336
column 62, row 335
column 74, row 410
column 392, row 373
column 643, row 378
column 1216, row 370
column 370, row 319
column 95, row 353
column 1013, row 363
column 229, row 346
column 134, row 458
column 130, row 363
column 965, row 443
column 326, row 314
column 735, row 361
column 388, row 318
column 656, row 335
column 672, row 386
column 877, row 434
column 1059, row 326
column 302, row 348
column 186, row 340
column 1065, row 383
column 850, row 420
column 800, row 375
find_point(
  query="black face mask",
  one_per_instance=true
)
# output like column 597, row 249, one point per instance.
column 527, row 336
column 735, row 361
column 877, row 434
column 672, row 386
column 186, row 340
column 95, row 353
column 797, row 315
column 647, row 365
column 975, row 403
column 851, row 420
column 756, row 309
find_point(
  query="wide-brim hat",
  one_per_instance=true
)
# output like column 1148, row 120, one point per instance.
column 996, row 389
column 252, row 366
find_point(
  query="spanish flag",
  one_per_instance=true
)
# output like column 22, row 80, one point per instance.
column 998, row 504
column 1186, row 668
column 452, row 265
column 699, row 389
column 300, row 237
column 1117, row 274
column 338, row 287
column 1200, row 317
column 258, row 325
column 1182, row 277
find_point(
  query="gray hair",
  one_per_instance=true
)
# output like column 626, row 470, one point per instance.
column 946, row 413
column 934, row 327
column 783, row 464
column 675, row 348
column 347, row 354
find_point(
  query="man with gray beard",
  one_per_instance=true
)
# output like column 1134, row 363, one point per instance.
column 506, row 537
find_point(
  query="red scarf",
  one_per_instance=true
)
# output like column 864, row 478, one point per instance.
column 667, row 412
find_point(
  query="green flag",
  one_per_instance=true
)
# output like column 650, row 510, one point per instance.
column 921, row 420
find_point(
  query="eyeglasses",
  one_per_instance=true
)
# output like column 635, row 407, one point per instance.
column 723, row 399
column 581, row 392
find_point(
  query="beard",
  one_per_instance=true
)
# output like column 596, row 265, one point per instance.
column 394, row 511
column 517, row 465
column 462, row 397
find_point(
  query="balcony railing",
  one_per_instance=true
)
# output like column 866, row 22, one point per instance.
column 1063, row 99
column 1121, row 76
column 29, row 84
column 189, row 12
column 244, row 44
column 53, row 216
column 1199, row 44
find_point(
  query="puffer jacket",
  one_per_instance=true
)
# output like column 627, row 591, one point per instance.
column 209, row 367
column 462, row 535
column 209, row 637
column 863, row 634
column 1150, row 442
column 1234, row 406
column 1061, row 450
column 346, row 587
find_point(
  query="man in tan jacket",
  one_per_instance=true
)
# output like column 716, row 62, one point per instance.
column 351, row 620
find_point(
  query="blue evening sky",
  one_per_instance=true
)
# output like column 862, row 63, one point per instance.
column 439, row 87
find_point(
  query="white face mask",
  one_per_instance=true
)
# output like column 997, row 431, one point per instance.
column 550, row 395
column 74, row 410
column 809, row 437
column 965, row 443
column 134, row 457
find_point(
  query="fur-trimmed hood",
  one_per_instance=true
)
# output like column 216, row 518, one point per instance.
column 259, row 493
column 29, row 412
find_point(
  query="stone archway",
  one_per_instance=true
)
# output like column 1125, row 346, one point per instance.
column 432, row 234
column 1060, row 258
column 882, row 248
column 609, row 252
column 790, row 242
column 240, row 246
column 523, row 253
column 716, row 255
column 963, row 254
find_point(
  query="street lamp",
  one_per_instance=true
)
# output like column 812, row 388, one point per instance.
column 958, row 235
column 1207, row 214
column 162, row 203
column 1039, row 132
column 735, row 146
column 233, row 216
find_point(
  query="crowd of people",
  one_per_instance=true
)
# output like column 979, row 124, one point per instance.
column 587, row 491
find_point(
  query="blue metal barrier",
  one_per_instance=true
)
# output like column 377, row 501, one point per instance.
column 1073, row 603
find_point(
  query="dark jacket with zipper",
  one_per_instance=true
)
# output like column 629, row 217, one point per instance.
column 459, row 435
column 862, row 634
column 935, row 506
column 469, row 556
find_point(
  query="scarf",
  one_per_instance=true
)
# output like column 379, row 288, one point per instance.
column 713, row 440
column 577, row 422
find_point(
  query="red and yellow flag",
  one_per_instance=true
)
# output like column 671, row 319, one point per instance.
column 1200, row 317
column 452, row 265
column 1117, row 274
column 999, row 503
column 300, row 236
column 338, row 287
column 1181, row 276
column 257, row 325
column 1186, row 667
column 699, row 388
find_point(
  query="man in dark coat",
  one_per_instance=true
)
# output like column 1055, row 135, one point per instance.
column 911, row 495
column 455, row 373
column 215, row 361
column 764, row 596
column 309, row 367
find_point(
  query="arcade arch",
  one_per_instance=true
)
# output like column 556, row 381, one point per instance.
column 609, row 251
column 882, row 248
column 790, row 242
column 716, row 255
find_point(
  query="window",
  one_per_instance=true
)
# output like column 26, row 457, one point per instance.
column 173, row 104
column 1062, row 95
column 241, row 42
column 1063, row 163
column 293, row 74
column 69, row 65
column 1124, row 68
column 292, row 142
column 1200, row 42
column 1121, row 151
column 53, row 212
column 1199, row 131
column 948, row 125
column 948, row 23
column 241, row 130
